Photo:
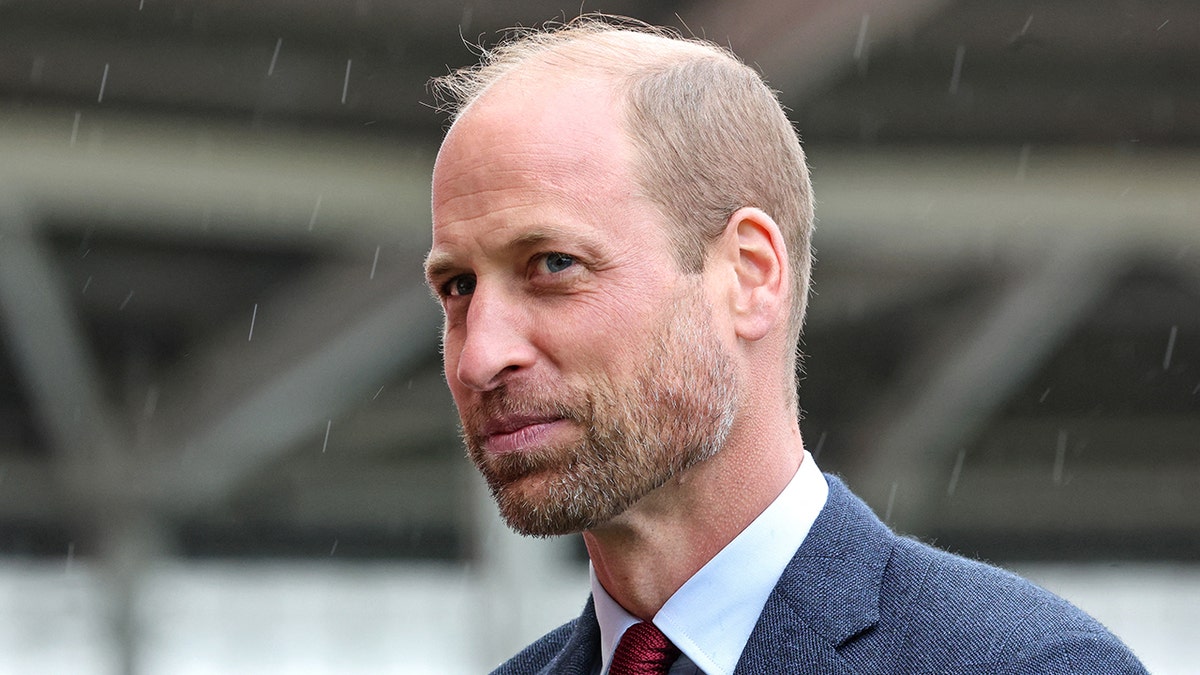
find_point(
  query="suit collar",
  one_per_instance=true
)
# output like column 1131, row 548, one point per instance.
column 828, row 594
column 581, row 649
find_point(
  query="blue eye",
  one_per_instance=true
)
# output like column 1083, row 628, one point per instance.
column 463, row 284
column 557, row 262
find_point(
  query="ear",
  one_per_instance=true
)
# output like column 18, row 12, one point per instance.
column 761, row 266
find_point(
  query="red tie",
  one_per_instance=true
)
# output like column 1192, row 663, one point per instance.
column 643, row 650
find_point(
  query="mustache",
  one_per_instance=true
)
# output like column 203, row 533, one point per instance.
column 529, row 401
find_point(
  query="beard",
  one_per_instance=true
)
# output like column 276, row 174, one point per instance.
column 674, row 410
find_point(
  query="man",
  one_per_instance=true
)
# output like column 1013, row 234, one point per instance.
column 621, row 224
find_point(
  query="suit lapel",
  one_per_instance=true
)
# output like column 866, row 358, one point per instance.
column 828, row 594
column 581, row 649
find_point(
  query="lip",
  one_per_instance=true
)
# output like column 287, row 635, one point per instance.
column 515, row 433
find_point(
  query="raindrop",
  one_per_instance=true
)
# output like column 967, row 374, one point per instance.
column 1025, row 28
column 75, row 128
column 465, row 24
column 1170, row 347
column 274, row 57
column 820, row 444
column 861, row 44
column 335, row 543
column 103, row 81
column 862, row 47
column 141, row 4
column 958, row 64
column 253, row 316
column 1160, row 26
column 1060, row 456
column 70, row 555
column 378, row 393
column 1023, row 161
column 151, row 402
column 346, row 82
column 86, row 284
column 325, row 444
column 1046, row 393
column 955, row 473
column 312, row 220
column 35, row 72
column 125, row 301
column 375, row 262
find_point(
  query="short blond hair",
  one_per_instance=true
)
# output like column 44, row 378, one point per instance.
column 711, row 136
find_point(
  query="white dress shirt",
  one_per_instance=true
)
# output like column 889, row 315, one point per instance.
column 711, row 616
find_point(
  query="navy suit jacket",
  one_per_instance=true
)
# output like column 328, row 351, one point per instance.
column 857, row 598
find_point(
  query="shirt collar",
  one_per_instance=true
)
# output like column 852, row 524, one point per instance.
column 711, row 616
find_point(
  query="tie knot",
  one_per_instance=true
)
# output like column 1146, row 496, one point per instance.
column 643, row 650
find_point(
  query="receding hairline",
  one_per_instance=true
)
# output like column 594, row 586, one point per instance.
column 574, row 49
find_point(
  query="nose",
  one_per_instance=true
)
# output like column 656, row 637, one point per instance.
column 495, row 343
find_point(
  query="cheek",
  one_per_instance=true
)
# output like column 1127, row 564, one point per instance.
column 606, row 333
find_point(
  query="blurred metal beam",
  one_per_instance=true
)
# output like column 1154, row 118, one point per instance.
column 243, row 75
column 936, row 204
column 29, row 492
column 214, row 183
column 321, row 491
column 1140, row 500
column 800, row 47
column 92, row 452
column 53, row 359
column 959, row 381
column 316, row 344
column 131, row 543
column 297, row 363
column 329, row 492
column 1055, row 108
column 431, row 26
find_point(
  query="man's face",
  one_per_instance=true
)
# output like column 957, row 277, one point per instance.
column 584, row 364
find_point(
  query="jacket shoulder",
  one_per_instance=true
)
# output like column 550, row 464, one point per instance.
column 539, row 654
column 892, row 604
column 957, row 610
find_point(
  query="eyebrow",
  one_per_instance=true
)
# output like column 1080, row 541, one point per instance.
column 437, row 265
column 534, row 237
column 539, row 236
column 441, row 263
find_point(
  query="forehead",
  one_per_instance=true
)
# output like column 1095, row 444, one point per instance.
column 550, row 140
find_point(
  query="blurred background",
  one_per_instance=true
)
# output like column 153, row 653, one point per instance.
column 225, row 441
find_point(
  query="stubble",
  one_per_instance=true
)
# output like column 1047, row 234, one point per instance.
column 674, row 410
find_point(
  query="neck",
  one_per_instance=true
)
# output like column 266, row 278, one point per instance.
column 644, row 555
